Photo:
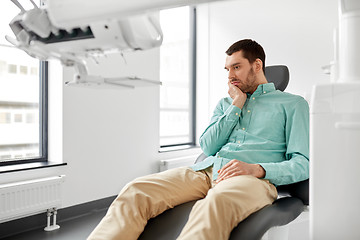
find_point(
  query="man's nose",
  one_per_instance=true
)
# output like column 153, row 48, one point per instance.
column 231, row 75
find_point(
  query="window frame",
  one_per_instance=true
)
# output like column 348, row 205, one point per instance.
column 43, row 120
column 192, row 84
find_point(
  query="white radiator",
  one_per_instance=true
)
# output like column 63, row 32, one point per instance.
column 21, row 199
column 177, row 162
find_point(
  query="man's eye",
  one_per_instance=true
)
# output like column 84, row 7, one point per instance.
column 237, row 67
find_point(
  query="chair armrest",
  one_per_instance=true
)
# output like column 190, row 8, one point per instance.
column 299, row 190
column 200, row 158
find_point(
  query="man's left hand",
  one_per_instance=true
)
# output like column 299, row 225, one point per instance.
column 237, row 168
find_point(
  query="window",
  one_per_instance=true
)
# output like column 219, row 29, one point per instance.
column 23, row 89
column 177, row 67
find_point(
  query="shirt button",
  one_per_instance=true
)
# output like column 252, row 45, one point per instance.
column 264, row 91
column 243, row 128
column 253, row 98
column 238, row 141
column 248, row 111
column 236, row 114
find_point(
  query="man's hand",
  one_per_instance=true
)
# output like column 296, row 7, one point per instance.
column 237, row 168
column 236, row 94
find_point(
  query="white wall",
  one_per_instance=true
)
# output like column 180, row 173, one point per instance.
column 296, row 33
column 109, row 137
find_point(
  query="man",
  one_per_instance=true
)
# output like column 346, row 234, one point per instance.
column 258, row 138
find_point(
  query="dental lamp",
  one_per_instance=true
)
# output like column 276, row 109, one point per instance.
column 73, row 30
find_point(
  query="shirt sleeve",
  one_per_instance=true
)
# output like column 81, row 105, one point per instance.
column 221, row 125
column 295, row 168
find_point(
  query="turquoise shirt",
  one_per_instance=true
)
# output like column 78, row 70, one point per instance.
column 272, row 129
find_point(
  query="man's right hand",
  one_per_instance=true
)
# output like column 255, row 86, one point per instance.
column 236, row 94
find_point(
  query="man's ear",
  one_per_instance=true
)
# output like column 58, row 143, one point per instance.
column 257, row 65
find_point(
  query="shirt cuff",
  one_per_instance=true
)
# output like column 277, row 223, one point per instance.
column 233, row 112
column 271, row 171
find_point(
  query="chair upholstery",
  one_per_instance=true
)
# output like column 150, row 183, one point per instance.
column 169, row 224
column 279, row 75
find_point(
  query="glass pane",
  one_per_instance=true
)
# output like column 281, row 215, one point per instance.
column 175, row 78
column 174, row 128
column 19, row 96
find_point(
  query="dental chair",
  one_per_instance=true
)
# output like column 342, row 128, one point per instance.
column 291, row 203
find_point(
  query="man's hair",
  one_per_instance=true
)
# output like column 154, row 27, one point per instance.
column 251, row 50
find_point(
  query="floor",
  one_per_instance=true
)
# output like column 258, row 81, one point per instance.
column 75, row 229
column 79, row 228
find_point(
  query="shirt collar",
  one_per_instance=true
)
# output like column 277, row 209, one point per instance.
column 263, row 89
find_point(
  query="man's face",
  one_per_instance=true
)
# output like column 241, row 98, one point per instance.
column 241, row 72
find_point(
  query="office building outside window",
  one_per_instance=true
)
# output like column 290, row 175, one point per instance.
column 176, row 75
column 23, row 123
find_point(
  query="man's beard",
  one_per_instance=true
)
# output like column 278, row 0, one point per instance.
column 248, row 86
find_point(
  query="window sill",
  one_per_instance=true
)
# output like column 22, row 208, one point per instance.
column 29, row 166
column 178, row 148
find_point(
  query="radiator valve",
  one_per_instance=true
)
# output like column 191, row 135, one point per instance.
column 54, row 226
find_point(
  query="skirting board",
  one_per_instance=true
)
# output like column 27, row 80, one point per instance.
column 38, row 221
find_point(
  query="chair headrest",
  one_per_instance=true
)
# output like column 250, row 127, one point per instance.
column 279, row 75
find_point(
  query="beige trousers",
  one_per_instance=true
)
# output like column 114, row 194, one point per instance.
column 219, row 209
